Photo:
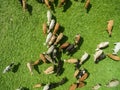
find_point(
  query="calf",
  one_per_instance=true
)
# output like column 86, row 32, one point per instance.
column 36, row 62
column 42, row 57
column 77, row 39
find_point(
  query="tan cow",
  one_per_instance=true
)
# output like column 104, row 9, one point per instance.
column 113, row 57
column 44, row 28
column 110, row 26
column 47, row 3
column 61, row 3
column 56, row 28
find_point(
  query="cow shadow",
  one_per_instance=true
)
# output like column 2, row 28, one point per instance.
column 36, row 67
column 67, row 5
column 29, row 8
column 89, row 7
column 82, row 1
column 40, row 1
column 52, row 7
column 15, row 68
column 61, row 29
column 56, row 2
column 56, row 84
column 59, row 68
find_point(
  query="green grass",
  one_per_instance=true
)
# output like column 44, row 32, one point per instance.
column 22, row 41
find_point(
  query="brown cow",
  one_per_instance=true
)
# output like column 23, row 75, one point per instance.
column 42, row 57
column 113, row 57
column 73, row 87
column 44, row 28
column 110, row 26
column 36, row 62
column 64, row 45
column 56, row 28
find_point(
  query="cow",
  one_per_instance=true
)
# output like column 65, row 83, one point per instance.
column 51, row 26
column 64, row 45
column 60, row 36
column 84, row 57
column 48, row 38
column 113, row 57
column 102, row 45
column 77, row 39
column 30, row 67
column 50, row 49
column 110, row 27
column 52, row 40
column 49, row 70
column 42, row 57
column 97, row 55
column 113, row 83
column 44, row 28
column 37, row 85
column 56, row 28
column 49, row 17
column 8, row 68
column 116, row 48
column 72, row 60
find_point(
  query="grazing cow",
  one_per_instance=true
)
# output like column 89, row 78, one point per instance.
column 48, row 38
column 76, row 72
column 110, row 26
column 50, row 49
column 72, row 60
column 42, row 57
column 57, row 25
column 73, row 86
column 30, row 67
column 113, row 57
column 49, row 17
column 36, row 62
column 96, row 87
column 51, row 26
column 8, row 68
column 84, row 57
column 44, row 28
column 60, row 36
column 117, row 48
column 47, row 3
column 64, row 45
column 52, row 40
column 113, row 83
column 77, row 39
column 49, row 70
column 102, row 45
column 62, row 2
column 87, row 4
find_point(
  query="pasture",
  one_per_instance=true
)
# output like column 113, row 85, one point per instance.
column 22, row 41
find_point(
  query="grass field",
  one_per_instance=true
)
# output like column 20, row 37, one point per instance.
column 22, row 41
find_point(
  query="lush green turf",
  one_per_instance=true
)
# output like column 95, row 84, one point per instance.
column 22, row 41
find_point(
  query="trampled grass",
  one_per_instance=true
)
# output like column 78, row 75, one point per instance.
column 22, row 41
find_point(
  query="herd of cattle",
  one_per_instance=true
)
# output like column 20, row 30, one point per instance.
column 56, row 46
